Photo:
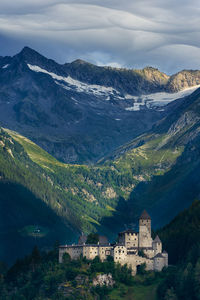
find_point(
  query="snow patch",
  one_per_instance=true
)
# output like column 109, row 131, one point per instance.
column 69, row 83
column 158, row 99
column 4, row 67
column 132, row 103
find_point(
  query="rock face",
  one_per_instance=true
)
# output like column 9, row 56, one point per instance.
column 80, row 112
column 104, row 279
column 183, row 80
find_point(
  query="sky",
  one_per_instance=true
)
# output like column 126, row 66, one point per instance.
column 121, row 33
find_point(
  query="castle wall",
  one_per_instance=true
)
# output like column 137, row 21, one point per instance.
column 90, row 251
column 131, row 240
column 135, row 260
column 157, row 247
column 165, row 255
column 73, row 251
column 159, row 263
column 126, row 252
column 120, row 254
column 149, row 252
column 147, row 223
column 145, row 239
column 105, row 251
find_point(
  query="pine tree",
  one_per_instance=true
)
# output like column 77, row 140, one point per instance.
column 197, row 280
column 170, row 295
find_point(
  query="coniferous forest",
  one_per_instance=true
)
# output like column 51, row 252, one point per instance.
column 40, row 276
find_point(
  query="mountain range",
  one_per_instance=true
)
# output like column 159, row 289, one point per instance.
column 80, row 112
column 131, row 148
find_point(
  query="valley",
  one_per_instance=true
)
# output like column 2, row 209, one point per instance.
column 152, row 163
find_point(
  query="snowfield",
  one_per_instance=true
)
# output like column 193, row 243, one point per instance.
column 149, row 101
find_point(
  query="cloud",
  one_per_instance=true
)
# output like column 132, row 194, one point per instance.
column 126, row 33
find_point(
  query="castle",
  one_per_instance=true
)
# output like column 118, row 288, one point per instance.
column 133, row 248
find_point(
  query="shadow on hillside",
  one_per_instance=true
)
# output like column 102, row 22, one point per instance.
column 20, row 210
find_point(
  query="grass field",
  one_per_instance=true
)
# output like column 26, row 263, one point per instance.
column 137, row 292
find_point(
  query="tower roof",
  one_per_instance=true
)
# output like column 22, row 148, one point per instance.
column 157, row 239
column 145, row 215
column 103, row 240
column 159, row 255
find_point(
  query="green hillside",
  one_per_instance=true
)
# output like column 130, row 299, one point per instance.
column 158, row 171
column 82, row 195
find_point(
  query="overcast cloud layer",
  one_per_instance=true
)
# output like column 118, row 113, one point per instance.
column 128, row 33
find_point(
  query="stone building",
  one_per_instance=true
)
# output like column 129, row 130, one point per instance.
column 133, row 248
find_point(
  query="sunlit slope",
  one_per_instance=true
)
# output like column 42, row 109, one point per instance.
column 167, row 161
column 85, row 195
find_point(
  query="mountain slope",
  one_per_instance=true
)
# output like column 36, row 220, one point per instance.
column 81, row 196
column 184, row 228
column 157, row 171
column 165, row 194
column 79, row 112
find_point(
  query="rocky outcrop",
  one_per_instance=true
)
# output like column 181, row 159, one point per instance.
column 103, row 279
column 183, row 80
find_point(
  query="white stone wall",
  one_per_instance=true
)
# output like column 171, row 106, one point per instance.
column 131, row 239
column 90, row 252
column 120, row 254
column 105, row 251
column 149, row 253
column 145, row 239
column 146, row 223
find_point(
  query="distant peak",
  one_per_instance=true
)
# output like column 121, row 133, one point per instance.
column 80, row 62
column 30, row 56
column 27, row 49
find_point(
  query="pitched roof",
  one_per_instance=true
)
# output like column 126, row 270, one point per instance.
column 103, row 240
column 159, row 255
column 157, row 239
column 145, row 215
column 82, row 239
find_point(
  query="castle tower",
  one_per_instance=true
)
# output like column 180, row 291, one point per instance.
column 145, row 240
column 157, row 245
